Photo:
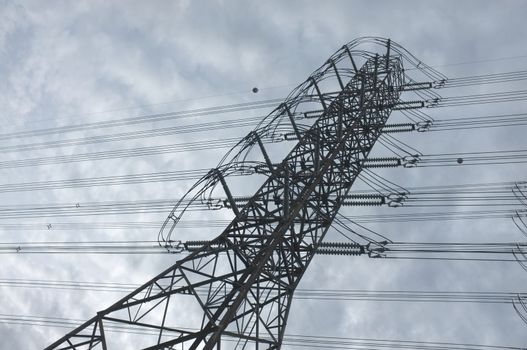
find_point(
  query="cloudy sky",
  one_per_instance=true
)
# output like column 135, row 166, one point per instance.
column 65, row 63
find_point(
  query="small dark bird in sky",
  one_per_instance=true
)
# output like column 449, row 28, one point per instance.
column 255, row 89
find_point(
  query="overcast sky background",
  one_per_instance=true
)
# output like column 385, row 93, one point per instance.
column 66, row 63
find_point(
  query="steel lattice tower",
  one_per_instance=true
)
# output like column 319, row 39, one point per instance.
column 250, row 271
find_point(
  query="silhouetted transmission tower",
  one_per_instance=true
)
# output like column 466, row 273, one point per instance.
column 238, row 288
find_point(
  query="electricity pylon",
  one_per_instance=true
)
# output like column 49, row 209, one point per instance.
column 236, row 290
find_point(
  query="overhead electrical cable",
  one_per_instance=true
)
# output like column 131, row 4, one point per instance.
column 309, row 294
column 164, row 176
column 499, row 157
column 92, row 247
column 83, row 209
column 502, row 194
column 123, row 136
column 92, row 208
column 452, row 159
column 440, row 251
column 122, row 153
column 237, row 107
column 493, row 97
column 196, row 224
column 500, row 251
column 505, row 120
column 491, row 78
column 305, row 341
column 479, row 122
column 479, row 61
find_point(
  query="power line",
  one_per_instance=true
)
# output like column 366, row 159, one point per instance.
column 479, row 122
column 504, row 194
column 446, row 159
column 262, row 88
column 440, row 251
column 306, row 341
column 192, row 113
column 500, row 157
column 235, row 107
column 507, row 58
column 91, row 247
column 301, row 293
column 194, row 224
column 122, row 153
column 504, row 251
column 496, row 97
column 504, row 120
column 493, row 78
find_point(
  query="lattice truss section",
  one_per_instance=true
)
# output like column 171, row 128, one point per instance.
column 235, row 292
